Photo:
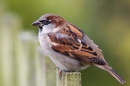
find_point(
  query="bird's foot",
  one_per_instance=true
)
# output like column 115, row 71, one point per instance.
column 60, row 74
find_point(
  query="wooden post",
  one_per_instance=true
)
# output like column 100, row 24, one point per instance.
column 70, row 79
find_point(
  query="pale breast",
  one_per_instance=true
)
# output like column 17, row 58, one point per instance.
column 61, row 61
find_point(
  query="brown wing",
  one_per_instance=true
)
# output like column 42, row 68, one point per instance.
column 71, row 42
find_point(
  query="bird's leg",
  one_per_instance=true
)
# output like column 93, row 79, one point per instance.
column 60, row 73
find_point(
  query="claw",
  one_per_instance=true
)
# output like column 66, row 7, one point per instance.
column 56, row 67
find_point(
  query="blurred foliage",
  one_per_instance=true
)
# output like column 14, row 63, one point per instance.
column 107, row 22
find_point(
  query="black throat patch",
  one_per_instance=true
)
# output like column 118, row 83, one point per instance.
column 40, row 29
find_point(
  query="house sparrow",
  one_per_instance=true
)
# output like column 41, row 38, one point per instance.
column 68, row 46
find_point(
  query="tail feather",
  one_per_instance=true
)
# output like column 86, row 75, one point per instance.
column 112, row 72
column 116, row 76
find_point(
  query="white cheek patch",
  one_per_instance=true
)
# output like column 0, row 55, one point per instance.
column 47, row 28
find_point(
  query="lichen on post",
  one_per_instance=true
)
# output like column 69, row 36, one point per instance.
column 70, row 79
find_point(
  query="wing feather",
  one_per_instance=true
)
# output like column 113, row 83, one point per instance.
column 71, row 41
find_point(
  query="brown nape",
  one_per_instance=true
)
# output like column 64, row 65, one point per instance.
column 57, row 20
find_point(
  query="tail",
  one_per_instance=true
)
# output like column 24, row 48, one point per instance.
column 117, row 76
column 112, row 72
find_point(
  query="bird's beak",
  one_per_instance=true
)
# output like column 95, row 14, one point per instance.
column 37, row 23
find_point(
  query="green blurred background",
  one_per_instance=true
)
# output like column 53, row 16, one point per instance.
column 107, row 22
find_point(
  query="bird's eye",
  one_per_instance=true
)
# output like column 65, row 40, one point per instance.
column 45, row 22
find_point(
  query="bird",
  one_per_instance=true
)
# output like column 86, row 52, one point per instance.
column 69, row 47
